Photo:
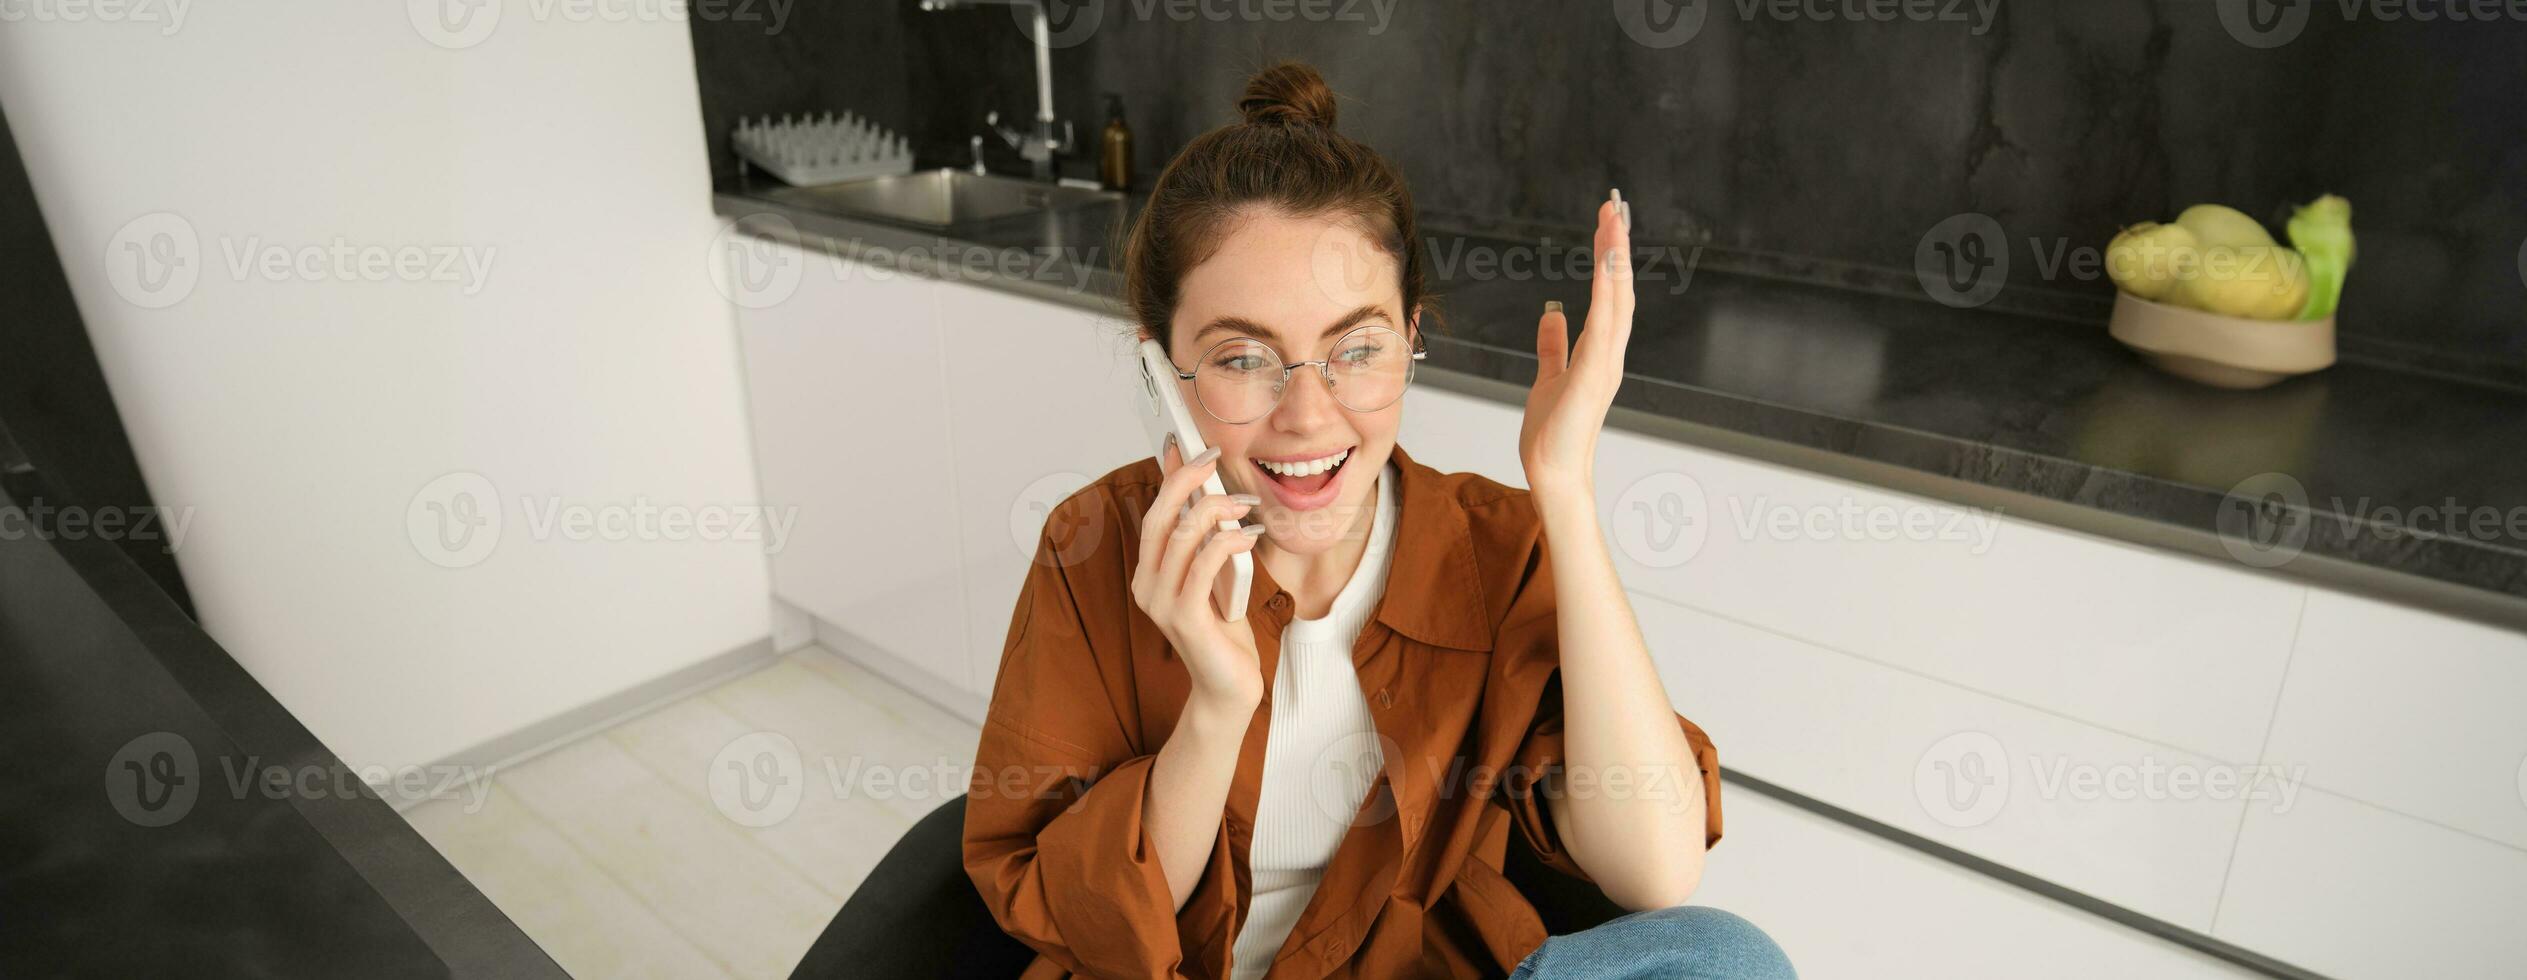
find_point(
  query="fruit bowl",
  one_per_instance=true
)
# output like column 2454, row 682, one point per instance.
column 2222, row 351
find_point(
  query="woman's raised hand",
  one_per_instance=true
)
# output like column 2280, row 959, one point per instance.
column 1575, row 387
column 1182, row 553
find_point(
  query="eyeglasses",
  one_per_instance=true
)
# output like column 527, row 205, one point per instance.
column 1242, row 379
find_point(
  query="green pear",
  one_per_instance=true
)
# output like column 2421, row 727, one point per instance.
column 2148, row 258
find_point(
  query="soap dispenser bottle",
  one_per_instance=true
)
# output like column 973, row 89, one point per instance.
column 1114, row 149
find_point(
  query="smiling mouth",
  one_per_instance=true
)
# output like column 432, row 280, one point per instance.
column 1305, row 477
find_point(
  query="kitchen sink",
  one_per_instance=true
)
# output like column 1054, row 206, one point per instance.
column 940, row 198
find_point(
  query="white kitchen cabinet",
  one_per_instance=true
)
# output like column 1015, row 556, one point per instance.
column 1041, row 403
column 1847, row 904
column 2360, row 892
column 845, row 379
column 2411, row 711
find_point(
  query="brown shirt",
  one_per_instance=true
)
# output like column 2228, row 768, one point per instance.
column 1459, row 664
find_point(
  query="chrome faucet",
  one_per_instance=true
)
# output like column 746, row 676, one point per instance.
column 1040, row 147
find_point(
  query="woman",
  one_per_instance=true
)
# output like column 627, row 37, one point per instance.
column 1325, row 787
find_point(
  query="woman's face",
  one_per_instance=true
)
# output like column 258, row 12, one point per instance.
column 1296, row 285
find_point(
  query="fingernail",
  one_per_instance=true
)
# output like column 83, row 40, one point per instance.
column 1622, row 208
column 1167, row 443
column 1251, row 530
column 1552, row 306
column 1246, row 498
column 1207, row 456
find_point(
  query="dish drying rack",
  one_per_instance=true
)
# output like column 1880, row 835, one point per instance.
column 822, row 151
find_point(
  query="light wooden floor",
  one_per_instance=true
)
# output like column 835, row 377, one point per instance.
column 615, row 855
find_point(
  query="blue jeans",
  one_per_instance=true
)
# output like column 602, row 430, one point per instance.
column 1688, row 942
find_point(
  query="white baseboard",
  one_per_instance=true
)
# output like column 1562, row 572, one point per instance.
column 484, row 760
column 792, row 628
column 957, row 701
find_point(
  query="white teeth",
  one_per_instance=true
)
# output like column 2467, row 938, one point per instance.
column 1307, row 468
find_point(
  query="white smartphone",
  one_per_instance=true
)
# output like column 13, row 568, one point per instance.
column 1163, row 411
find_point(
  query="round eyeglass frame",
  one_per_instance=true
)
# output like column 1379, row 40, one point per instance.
column 1324, row 366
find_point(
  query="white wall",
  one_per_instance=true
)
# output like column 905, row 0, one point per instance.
column 302, row 419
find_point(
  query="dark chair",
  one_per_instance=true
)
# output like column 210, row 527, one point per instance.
column 918, row 917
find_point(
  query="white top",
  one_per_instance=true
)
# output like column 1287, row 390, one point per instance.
column 1321, row 754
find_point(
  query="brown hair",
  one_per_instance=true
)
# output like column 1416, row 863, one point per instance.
column 1285, row 155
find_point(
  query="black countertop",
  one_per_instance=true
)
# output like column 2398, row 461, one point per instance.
column 135, row 837
column 2363, row 476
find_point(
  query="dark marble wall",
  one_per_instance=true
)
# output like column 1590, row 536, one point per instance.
column 1839, row 138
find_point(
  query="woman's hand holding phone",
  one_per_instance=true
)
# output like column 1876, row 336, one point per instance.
column 1182, row 553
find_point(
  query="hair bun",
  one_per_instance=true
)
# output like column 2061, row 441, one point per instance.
column 1288, row 93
